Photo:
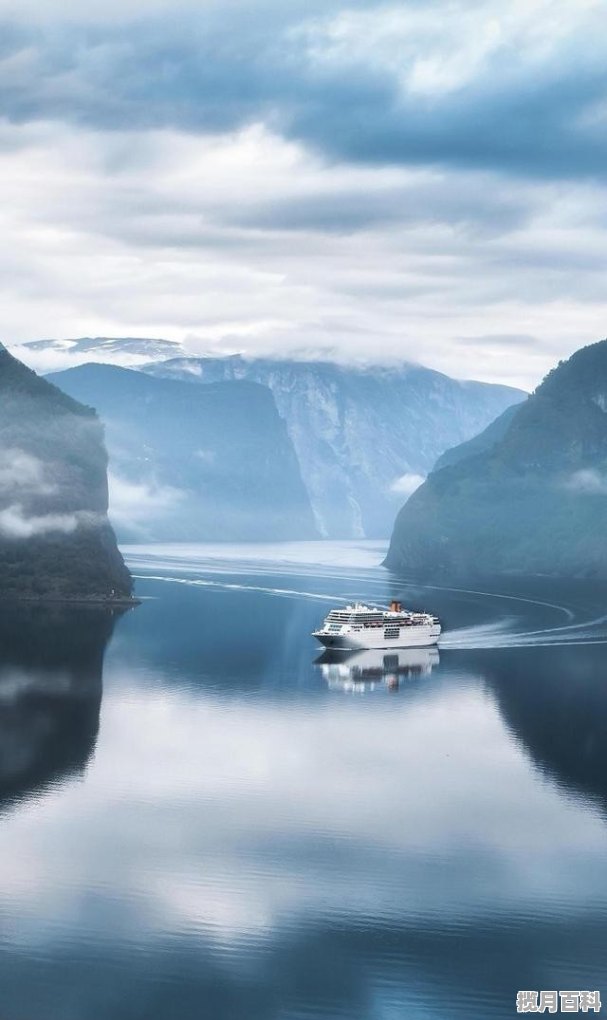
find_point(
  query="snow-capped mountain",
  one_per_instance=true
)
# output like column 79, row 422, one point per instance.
column 364, row 438
column 128, row 352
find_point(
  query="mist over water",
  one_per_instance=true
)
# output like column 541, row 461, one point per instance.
column 243, row 827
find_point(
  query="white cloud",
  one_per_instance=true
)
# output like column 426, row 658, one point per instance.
column 135, row 504
column 244, row 780
column 24, row 476
column 188, row 258
column 81, row 254
column 407, row 484
column 96, row 11
column 46, row 361
column 588, row 480
column 15, row 523
column 437, row 53
column 23, row 472
column 247, row 239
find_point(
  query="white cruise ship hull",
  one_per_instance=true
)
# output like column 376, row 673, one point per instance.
column 418, row 636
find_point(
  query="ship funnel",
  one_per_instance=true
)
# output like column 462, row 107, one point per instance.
column 395, row 607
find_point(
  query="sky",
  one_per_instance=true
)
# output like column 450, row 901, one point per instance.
column 367, row 182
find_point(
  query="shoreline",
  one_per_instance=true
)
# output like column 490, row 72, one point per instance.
column 73, row 600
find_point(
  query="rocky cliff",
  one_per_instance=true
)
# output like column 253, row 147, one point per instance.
column 532, row 501
column 55, row 538
column 192, row 463
column 363, row 438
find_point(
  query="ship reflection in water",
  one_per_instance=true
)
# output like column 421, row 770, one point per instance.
column 374, row 668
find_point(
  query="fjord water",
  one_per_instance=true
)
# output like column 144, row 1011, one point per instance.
column 201, row 819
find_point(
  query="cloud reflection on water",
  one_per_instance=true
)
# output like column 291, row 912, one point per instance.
column 249, row 838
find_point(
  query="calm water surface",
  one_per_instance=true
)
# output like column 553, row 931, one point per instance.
column 201, row 817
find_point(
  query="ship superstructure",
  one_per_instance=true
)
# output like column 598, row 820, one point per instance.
column 360, row 626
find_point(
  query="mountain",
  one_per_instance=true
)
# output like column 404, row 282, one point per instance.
column 483, row 441
column 56, row 355
column 554, row 702
column 193, row 464
column 535, row 501
column 363, row 437
column 51, row 661
column 55, row 538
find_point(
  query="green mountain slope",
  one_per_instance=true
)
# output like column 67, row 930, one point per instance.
column 483, row 441
column 533, row 502
column 55, row 538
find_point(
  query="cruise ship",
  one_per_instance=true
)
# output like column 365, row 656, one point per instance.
column 360, row 626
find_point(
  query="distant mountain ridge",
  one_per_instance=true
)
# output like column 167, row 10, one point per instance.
column 363, row 437
column 55, row 539
column 190, row 464
column 129, row 352
column 534, row 500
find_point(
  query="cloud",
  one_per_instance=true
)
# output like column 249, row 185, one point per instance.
column 15, row 523
column 520, row 87
column 22, row 472
column 343, row 180
column 407, row 484
column 332, row 781
column 588, row 480
column 23, row 480
column 71, row 353
column 171, row 245
column 476, row 86
column 134, row 504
